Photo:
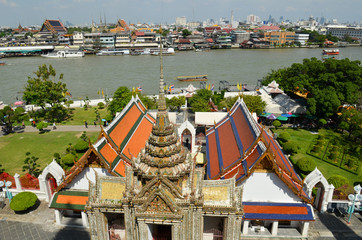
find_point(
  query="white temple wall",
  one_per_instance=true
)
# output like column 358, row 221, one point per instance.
column 267, row 187
column 80, row 182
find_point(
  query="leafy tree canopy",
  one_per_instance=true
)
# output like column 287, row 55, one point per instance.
column 120, row 99
column 43, row 89
column 328, row 84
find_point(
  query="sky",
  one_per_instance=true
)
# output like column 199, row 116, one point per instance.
column 81, row 12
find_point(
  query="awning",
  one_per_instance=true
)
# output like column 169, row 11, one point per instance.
column 281, row 118
column 278, row 211
column 75, row 200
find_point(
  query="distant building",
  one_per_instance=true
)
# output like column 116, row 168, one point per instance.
column 54, row 27
column 341, row 31
column 279, row 38
column 181, row 21
column 253, row 19
column 301, row 38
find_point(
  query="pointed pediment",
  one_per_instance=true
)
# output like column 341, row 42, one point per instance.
column 158, row 205
column 159, row 201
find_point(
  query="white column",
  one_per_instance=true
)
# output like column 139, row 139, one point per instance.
column 274, row 230
column 84, row 219
column 58, row 217
column 17, row 182
column 245, row 227
column 305, row 228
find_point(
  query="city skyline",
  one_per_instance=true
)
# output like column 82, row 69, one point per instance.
column 80, row 12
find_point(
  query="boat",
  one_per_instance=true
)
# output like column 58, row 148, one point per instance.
column 2, row 63
column 64, row 54
column 156, row 51
column 113, row 52
column 330, row 53
column 192, row 78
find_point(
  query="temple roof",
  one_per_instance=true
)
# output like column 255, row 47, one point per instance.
column 53, row 26
column 124, row 138
column 237, row 144
column 278, row 211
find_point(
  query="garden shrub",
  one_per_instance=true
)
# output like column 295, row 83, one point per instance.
column 284, row 137
column 320, row 142
column 322, row 122
column 290, row 147
column 69, row 159
column 316, row 149
column 81, row 146
column 41, row 126
column 277, row 123
column 337, row 180
column 306, row 165
column 333, row 155
column 351, row 162
column 85, row 107
column 100, row 105
column 23, row 201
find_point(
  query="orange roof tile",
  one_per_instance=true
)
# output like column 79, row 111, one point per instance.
column 124, row 126
column 138, row 139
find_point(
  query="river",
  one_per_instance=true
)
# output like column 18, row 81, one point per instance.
column 86, row 76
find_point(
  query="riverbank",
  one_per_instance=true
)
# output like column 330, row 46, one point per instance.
column 89, row 75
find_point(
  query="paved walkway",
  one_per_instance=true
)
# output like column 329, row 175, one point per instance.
column 40, row 224
column 63, row 128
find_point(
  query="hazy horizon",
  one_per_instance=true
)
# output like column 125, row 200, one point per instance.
column 81, row 12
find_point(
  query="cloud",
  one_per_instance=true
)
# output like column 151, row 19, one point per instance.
column 290, row 9
column 7, row 3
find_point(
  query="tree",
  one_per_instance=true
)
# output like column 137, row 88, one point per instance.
column 327, row 85
column 121, row 97
column 351, row 119
column 185, row 33
column 43, row 89
column 322, row 122
column 199, row 102
column 8, row 117
column 175, row 103
column 31, row 165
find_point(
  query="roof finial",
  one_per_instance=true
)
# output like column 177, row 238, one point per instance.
column 161, row 98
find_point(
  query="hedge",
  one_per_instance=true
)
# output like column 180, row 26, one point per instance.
column 306, row 165
column 337, row 180
column 69, row 159
column 284, row 136
column 81, row 146
column 23, row 201
column 290, row 148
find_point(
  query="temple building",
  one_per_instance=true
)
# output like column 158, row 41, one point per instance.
column 138, row 181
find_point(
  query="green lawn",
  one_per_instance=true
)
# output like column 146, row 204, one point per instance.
column 80, row 115
column 14, row 146
column 304, row 138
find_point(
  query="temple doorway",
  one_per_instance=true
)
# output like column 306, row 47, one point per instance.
column 318, row 192
column 51, row 185
column 213, row 228
column 159, row 232
column 186, row 138
column 116, row 226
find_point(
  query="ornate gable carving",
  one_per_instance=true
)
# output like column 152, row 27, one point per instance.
column 158, row 205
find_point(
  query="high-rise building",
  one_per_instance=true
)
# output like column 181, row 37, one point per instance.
column 181, row 21
column 252, row 19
